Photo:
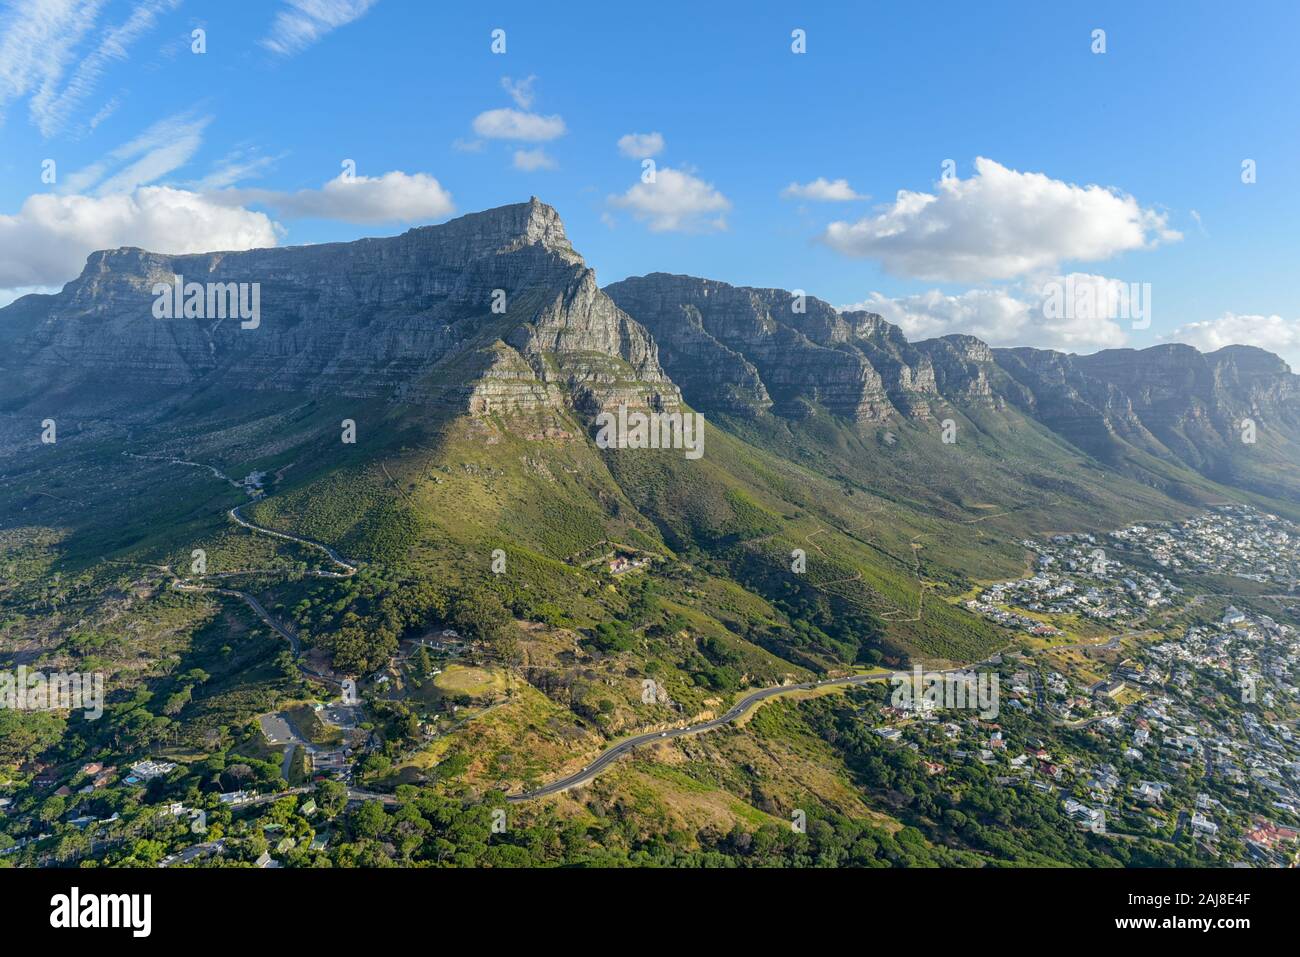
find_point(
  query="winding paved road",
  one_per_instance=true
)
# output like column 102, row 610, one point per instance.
column 738, row 711
column 252, row 603
column 348, row 568
column 606, row 757
column 263, row 614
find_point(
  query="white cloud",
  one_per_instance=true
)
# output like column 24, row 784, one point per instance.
column 47, row 241
column 510, row 124
column 300, row 23
column 236, row 166
column 104, row 112
column 163, row 147
column 390, row 198
column 52, row 108
column 675, row 201
column 1273, row 333
column 822, row 190
column 1013, row 316
column 520, row 91
column 999, row 224
column 641, row 145
column 37, row 43
column 529, row 160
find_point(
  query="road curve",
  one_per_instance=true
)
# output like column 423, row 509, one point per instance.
column 294, row 643
column 606, row 757
column 348, row 568
column 252, row 603
column 738, row 711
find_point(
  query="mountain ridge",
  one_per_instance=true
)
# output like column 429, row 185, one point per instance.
column 728, row 347
column 492, row 307
column 514, row 227
column 496, row 312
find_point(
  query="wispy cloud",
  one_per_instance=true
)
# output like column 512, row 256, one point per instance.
column 166, row 146
column 52, row 107
column 37, row 43
column 530, row 160
column 235, row 167
column 105, row 111
column 300, row 23
column 521, row 91
column 822, row 190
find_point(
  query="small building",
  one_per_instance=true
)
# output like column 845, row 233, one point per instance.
column 1107, row 689
column 147, row 770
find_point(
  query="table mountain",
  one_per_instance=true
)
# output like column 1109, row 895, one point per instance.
column 495, row 311
column 409, row 317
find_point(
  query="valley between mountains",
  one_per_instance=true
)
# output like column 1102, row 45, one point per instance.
column 360, row 578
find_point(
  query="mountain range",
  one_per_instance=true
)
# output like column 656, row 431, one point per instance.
column 404, row 438
column 411, row 318
column 489, row 333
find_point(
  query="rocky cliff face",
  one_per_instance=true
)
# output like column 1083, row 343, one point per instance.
column 739, row 349
column 1232, row 416
column 409, row 317
column 1168, row 400
column 743, row 350
column 1051, row 387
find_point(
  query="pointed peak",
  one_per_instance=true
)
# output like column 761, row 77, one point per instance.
column 508, row 228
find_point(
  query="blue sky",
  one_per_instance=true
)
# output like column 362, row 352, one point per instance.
column 1124, row 166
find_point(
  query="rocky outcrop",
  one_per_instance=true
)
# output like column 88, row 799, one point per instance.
column 1168, row 401
column 750, row 351
column 740, row 349
column 744, row 350
column 964, row 369
column 494, row 310
column 1050, row 387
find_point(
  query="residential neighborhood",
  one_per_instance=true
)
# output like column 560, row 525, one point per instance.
column 1181, row 722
